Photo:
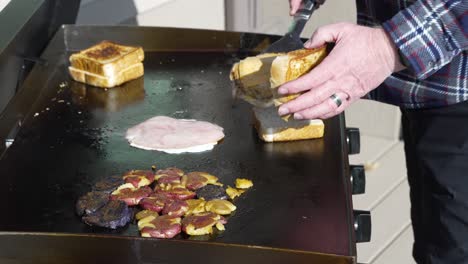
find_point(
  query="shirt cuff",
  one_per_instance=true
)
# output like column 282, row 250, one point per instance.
column 424, row 35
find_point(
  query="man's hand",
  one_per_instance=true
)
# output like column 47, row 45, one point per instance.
column 362, row 59
column 294, row 6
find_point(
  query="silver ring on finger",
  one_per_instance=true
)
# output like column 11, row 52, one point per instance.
column 336, row 100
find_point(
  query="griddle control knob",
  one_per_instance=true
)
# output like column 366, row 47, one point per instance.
column 358, row 178
column 353, row 140
column 362, row 226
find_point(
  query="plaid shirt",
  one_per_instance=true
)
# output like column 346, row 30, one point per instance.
column 432, row 37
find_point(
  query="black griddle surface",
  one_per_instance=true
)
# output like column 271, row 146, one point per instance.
column 73, row 136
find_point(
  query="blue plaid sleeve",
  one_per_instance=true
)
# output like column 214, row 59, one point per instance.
column 429, row 34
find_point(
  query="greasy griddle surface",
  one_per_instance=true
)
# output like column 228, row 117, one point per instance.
column 299, row 199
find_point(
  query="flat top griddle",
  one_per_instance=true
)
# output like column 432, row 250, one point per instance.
column 72, row 135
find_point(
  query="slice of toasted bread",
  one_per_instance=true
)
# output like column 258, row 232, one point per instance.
column 291, row 66
column 132, row 72
column 106, row 58
column 251, row 78
column 256, row 79
column 272, row 128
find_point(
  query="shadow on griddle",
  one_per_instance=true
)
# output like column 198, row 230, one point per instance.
column 111, row 99
column 314, row 147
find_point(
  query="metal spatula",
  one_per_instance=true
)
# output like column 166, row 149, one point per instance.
column 292, row 39
column 261, row 94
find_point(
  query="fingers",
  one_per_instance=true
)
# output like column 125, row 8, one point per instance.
column 294, row 6
column 311, row 98
column 326, row 70
column 317, row 76
column 322, row 35
column 324, row 110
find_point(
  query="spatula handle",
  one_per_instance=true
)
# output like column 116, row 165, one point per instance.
column 303, row 15
column 306, row 9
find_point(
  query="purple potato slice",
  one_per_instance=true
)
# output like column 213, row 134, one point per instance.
column 113, row 215
column 211, row 192
column 91, row 202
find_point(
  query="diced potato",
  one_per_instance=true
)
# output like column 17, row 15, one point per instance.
column 243, row 183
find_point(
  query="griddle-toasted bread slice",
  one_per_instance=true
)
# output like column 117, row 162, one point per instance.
column 256, row 79
column 251, row 77
column 132, row 72
column 291, row 66
column 106, row 59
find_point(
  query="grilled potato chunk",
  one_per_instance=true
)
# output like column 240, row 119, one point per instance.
column 196, row 206
column 146, row 222
column 220, row 226
column 233, row 192
column 243, row 183
column 200, row 224
column 221, row 207
column 164, row 226
column 123, row 186
column 145, row 213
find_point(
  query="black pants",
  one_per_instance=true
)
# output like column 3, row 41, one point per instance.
column 436, row 147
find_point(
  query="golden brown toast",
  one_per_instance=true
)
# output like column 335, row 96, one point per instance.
column 257, row 78
column 251, row 78
column 106, row 58
column 132, row 72
column 291, row 66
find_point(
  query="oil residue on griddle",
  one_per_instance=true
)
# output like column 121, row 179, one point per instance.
column 181, row 114
column 180, row 85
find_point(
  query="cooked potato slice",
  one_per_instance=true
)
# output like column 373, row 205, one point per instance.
column 220, row 226
column 145, row 213
column 146, row 222
column 200, row 224
column 221, row 207
column 211, row 178
column 196, row 206
column 122, row 187
column 191, row 230
column 243, row 183
column 233, row 192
